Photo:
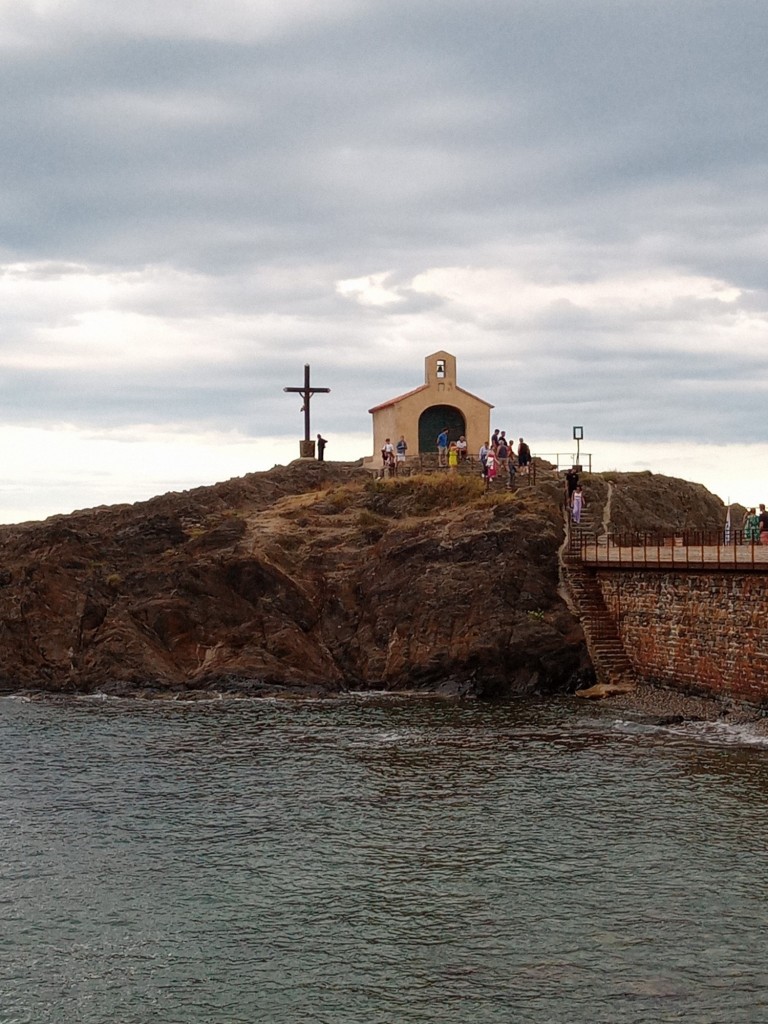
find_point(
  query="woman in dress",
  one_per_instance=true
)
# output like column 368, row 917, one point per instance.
column 577, row 504
column 751, row 527
column 491, row 469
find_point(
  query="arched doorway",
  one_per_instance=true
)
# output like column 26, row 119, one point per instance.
column 432, row 421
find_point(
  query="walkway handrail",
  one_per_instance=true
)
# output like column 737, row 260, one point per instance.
column 564, row 460
column 690, row 548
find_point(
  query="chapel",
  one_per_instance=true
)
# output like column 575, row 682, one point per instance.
column 419, row 415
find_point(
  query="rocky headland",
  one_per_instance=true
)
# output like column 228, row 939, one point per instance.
column 314, row 579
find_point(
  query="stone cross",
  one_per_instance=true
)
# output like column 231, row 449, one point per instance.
column 306, row 393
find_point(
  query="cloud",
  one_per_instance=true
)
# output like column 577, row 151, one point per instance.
column 569, row 195
column 370, row 290
column 22, row 22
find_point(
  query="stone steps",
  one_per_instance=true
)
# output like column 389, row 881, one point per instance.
column 604, row 642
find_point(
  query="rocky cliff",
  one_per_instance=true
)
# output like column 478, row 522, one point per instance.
column 310, row 578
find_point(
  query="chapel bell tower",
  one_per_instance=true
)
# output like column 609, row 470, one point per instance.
column 440, row 371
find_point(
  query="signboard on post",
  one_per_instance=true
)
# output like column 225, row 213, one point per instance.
column 578, row 437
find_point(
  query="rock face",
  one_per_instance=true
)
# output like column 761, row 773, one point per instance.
column 651, row 503
column 310, row 578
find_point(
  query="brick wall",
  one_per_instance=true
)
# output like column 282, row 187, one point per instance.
column 698, row 632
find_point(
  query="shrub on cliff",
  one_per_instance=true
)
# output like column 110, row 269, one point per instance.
column 421, row 495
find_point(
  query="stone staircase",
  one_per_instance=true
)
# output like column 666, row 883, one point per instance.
column 606, row 648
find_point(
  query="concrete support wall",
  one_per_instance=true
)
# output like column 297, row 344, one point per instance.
column 695, row 631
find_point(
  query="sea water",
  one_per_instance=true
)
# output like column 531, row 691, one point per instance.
column 377, row 859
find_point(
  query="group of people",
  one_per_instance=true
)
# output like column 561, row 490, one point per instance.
column 451, row 453
column 393, row 455
column 755, row 527
column 498, row 458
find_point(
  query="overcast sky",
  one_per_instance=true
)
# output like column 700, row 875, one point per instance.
column 197, row 198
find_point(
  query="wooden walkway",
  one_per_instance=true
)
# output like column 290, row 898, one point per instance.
column 726, row 557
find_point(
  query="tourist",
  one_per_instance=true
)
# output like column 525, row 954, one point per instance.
column 577, row 504
column 571, row 482
column 490, row 469
column 751, row 527
column 321, row 443
column 442, row 446
column 763, row 522
column 483, row 457
column 512, row 470
column 402, row 448
column 502, row 454
column 453, row 458
column 523, row 457
column 461, row 444
column 495, row 440
column 387, row 457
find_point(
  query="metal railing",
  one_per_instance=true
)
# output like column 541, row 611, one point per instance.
column 564, row 460
column 687, row 549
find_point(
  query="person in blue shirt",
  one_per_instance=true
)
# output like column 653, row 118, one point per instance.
column 442, row 447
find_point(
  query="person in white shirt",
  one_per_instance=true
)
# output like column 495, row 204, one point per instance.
column 388, row 456
column 483, row 457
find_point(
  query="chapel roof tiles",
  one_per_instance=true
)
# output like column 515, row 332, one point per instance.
column 426, row 387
